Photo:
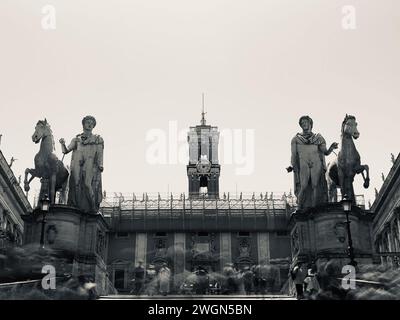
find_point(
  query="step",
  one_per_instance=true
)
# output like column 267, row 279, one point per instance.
column 197, row 297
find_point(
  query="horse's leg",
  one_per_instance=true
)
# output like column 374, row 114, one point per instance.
column 351, row 188
column 344, row 183
column 361, row 169
column 52, row 188
column 366, row 180
column 33, row 174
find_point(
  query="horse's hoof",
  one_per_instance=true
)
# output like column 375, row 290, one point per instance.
column 366, row 183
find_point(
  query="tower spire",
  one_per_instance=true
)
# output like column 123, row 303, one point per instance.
column 203, row 119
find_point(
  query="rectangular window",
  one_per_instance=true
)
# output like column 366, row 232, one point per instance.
column 202, row 234
column 244, row 234
column 161, row 234
column 119, row 279
column 122, row 235
column 282, row 233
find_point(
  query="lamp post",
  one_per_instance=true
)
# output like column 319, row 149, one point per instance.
column 44, row 207
column 347, row 203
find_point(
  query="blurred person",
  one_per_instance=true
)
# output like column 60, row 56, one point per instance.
column 311, row 282
column 299, row 273
column 139, row 278
column 248, row 278
column 229, row 273
column 164, row 275
column 151, row 280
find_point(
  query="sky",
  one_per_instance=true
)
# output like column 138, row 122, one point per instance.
column 141, row 66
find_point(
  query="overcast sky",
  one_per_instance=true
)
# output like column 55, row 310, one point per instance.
column 142, row 65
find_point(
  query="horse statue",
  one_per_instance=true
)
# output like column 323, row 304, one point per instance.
column 342, row 170
column 53, row 174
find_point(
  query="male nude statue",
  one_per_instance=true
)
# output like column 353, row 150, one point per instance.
column 308, row 163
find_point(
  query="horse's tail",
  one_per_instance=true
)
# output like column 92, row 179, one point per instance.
column 62, row 174
column 332, row 175
column 332, row 179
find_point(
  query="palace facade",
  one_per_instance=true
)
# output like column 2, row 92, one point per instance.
column 386, row 224
column 13, row 204
column 200, row 228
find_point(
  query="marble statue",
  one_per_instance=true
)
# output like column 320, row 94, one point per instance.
column 308, row 164
column 342, row 170
column 85, row 188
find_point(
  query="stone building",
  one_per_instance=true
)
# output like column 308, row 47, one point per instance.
column 199, row 229
column 386, row 224
column 13, row 204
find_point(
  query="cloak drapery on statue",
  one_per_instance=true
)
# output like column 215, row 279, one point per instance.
column 308, row 161
column 85, row 163
column 85, row 188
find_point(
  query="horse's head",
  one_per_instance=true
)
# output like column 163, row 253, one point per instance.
column 349, row 127
column 42, row 130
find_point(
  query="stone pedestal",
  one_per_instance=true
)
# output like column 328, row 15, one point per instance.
column 75, row 238
column 320, row 234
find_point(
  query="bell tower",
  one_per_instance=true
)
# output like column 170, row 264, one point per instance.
column 203, row 169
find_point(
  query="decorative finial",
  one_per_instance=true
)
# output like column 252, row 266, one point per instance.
column 203, row 119
column 383, row 177
column 392, row 158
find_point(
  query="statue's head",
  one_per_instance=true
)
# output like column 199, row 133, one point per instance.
column 349, row 126
column 42, row 129
column 306, row 122
column 89, row 122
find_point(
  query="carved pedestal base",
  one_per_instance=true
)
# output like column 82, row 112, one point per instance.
column 75, row 240
column 320, row 235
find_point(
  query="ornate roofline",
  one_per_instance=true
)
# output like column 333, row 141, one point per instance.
column 12, row 183
column 387, row 186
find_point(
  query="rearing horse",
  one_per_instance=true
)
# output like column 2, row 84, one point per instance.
column 47, row 165
column 342, row 170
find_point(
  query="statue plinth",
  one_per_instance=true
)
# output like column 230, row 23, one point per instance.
column 75, row 237
column 320, row 234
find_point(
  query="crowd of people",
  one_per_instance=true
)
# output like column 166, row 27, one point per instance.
column 263, row 278
column 256, row 279
column 151, row 281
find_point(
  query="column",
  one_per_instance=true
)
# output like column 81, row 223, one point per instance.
column 179, row 252
column 179, row 256
column 398, row 231
column 263, row 246
column 140, row 248
column 225, row 248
